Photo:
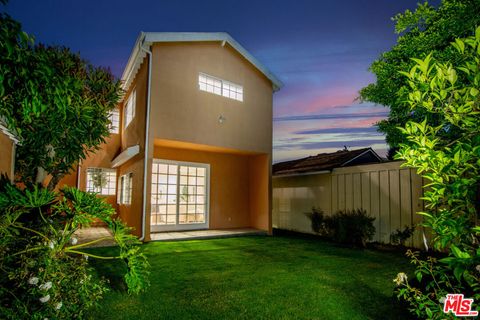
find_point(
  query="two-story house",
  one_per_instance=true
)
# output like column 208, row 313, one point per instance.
column 191, row 142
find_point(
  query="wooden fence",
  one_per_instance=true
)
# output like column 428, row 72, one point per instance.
column 386, row 191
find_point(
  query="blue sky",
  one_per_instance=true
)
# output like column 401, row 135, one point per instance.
column 321, row 50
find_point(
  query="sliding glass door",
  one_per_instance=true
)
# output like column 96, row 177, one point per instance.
column 179, row 195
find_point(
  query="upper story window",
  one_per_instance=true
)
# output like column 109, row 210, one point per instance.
column 220, row 87
column 114, row 118
column 129, row 108
column 101, row 180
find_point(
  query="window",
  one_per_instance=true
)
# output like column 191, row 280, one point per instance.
column 114, row 118
column 101, row 181
column 232, row 91
column 125, row 189
column 129, row 108
column 179, row 193
column 220, row 87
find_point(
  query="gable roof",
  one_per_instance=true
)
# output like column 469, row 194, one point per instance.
column 324, row 162
column 146, row 39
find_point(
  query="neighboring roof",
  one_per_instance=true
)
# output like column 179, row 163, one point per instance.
column 326, row 161
column 146, row 39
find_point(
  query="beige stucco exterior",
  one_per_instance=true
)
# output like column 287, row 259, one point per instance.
column 184, row 126
column 181, row 112
column 7, row 147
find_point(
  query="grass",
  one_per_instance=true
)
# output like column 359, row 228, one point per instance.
column 258, row 278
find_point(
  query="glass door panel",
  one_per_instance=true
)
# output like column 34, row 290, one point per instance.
column 179, row 194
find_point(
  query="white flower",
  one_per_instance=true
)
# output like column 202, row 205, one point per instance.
column 442, row 300
column 478, row 268
column 33, row 280
column 45, row 286
column 73, row 241
column 51, row 244
column 85, row 256
column 400, row 279
column 58, row 305
column 45, row 299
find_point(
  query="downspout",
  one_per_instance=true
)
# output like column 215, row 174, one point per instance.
column 12, row 167
column 79, row 170
column 147, row 139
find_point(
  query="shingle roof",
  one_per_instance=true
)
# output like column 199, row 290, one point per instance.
column 323, row 162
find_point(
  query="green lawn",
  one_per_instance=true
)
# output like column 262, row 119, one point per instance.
column 258, row 278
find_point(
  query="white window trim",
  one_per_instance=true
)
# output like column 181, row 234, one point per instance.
column 121, row 196
column 115, row 113
column 222, row 82
column 133, row 104
column 103, row 170
column 193, row 226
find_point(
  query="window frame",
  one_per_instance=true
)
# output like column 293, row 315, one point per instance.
column 122, row 188
column 131, row 102
column 178, row 225
column 226, row 88
column 109, row 171
column 114, row 117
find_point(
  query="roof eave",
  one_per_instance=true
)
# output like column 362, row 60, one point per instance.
column 146, row 39
column 298, row 174
column 361, row 154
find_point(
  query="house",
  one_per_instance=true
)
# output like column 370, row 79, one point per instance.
column 191, row 142
column 346, row 180
column 8, row 142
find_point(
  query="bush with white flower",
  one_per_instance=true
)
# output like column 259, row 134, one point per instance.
column 44, row 271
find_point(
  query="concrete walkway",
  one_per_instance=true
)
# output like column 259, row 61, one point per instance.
column 205, row 234
column 93, row 233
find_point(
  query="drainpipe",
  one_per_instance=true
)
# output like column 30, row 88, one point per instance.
column 147, row 139
column 12, row 167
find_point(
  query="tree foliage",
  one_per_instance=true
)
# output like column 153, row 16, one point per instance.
column 421, row 31
column 56, row 104
column 450, row 93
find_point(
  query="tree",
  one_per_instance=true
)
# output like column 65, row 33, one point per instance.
column 450, row 93
column 422, row 31
column 54, row 102
column 57, row 105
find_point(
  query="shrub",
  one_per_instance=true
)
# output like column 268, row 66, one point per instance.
column 317, row 220
column 450, row 92
column 399, row 237
column 44, row 271
column 353, row 227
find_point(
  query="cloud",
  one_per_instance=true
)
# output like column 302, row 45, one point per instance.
column 317, row 145
column 362, row 130
column 331, row 116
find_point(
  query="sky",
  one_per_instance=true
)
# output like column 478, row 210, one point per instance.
column 321, row 50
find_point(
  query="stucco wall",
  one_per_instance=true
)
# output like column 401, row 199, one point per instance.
column 181, row 112
column 6, row 148
column 132, row 213
column 231, row 205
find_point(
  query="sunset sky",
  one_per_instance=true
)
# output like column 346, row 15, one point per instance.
column 321, row 50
